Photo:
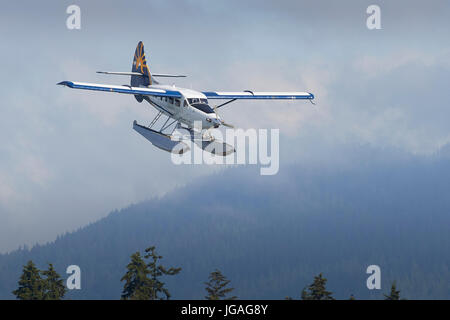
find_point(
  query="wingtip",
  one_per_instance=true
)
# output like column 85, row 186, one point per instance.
column 65, row 83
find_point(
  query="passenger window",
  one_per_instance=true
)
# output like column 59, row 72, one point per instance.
column 177, row 102
column 171, row 100
column 185, row 103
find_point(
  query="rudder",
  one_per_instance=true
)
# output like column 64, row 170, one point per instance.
column 140, row 65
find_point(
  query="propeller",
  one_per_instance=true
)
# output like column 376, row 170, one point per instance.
column 221, row 121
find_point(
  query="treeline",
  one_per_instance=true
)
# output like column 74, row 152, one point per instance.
column 143, row 281
column 35, row 284
column 337, row 221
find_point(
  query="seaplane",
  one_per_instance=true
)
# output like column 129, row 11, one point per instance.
column 181, row 108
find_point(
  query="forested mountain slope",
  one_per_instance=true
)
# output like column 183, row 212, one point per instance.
column 271, row 235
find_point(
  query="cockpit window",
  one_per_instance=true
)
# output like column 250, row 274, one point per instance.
column 197, row 100
column 200, row 104
column 203, row 107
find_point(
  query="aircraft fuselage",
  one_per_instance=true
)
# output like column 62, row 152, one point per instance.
column 192, row 106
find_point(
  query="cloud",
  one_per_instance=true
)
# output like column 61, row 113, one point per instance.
column 397, row 99
column 35, row 169
column 6, row 191
column 289, row 116
column 68, row 157
column 103, row 106
column 378, row 65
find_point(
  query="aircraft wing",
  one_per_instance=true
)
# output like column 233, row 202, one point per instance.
column 122, row 89
column 259, row 95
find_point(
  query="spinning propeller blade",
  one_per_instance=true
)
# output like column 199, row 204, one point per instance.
column 221, row 121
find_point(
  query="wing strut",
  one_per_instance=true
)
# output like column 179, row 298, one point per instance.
column 155, row 119
column 221, row 105
column 165, row 125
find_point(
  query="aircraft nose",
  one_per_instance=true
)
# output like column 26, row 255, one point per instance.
column 216, row 122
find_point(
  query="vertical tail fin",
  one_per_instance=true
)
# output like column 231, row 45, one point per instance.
column 140, row 65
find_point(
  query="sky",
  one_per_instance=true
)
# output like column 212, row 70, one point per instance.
column 67, row 157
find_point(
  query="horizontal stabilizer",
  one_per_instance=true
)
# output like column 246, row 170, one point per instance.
column 121, row 73
column 166, row 75
column 161, row 140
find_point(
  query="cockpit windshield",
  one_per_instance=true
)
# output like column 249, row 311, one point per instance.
column 197, row 100
column 200, row 104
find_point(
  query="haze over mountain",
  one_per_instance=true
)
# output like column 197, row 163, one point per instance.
column 271, row 235
column 68, row 157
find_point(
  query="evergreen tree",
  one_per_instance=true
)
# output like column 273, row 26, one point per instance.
column 156, row 271
column 142, row 280
column 394, row 295
column 30, row 284
column 53, row 285
column 137, row 284
column 317, row 290
column 216, row 287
